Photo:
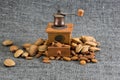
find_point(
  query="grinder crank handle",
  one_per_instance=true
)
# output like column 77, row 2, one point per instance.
column 80, row 12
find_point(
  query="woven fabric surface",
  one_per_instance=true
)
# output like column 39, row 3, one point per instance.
column 26, row 20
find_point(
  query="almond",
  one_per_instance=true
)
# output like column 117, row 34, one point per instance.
column 58, row 58
column 46, row 53
column 53, row 44
column 9, row 62
column 78, row 48
column 94, row 60
column 73, row 53
column 13, row 48
column 65, row 45
column 59, row 53
column 25, row 54
column 67, row 58
column 83, row 58
column 18, row 53
column 42, row 48
column 29, row 58
column 74, row 58
column 90, row 56
column 39, row 54
column 92, row 53
column 58, row 44
column 88, row 61
column 46, row 61
column 93, row 49
column 32, row 50
column 87, row 38
column 98, row 43
column 80, row 12
column 46, row 42
column 91, row 43
column 39, row 42
column 26, row 45
column 85, row 49
column 27, row 49
column 73, row 44
column 52, row 58
column 82, row 62
column 76, row 40
column 7, row 42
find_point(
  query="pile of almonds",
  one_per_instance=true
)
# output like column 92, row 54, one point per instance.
column 82, row 49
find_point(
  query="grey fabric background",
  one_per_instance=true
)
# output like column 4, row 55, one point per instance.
column 25, row 21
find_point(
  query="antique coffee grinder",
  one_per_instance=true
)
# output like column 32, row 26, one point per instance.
column 61, row 32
